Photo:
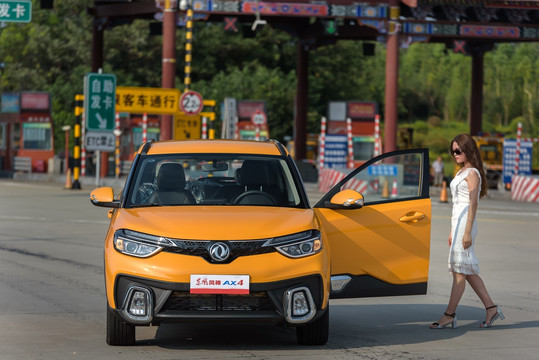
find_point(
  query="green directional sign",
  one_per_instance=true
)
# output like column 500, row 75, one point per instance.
column 16, row 11
column 100, row 101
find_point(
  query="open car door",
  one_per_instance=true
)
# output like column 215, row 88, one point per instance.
column 377, row 221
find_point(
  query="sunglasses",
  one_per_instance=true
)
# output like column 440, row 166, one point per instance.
column 456, row 152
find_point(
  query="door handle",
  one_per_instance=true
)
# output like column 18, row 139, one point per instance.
column 412, row 216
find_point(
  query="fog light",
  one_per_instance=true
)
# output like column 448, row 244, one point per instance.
column 300, row 304
column 139, row 304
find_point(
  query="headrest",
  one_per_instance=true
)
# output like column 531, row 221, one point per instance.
column 171, row 177
column 254, row 173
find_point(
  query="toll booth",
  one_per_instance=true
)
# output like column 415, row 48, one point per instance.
column 362, row 114
column 242, row 119
column 26, row 132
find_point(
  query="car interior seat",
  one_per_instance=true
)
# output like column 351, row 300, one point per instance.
column 171, row 186
column 254, row 177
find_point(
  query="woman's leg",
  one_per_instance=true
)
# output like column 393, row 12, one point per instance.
column 459, row 284
column 480, row 289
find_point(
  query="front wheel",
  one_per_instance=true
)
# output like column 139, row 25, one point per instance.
column 315, row 333
column 118, row 331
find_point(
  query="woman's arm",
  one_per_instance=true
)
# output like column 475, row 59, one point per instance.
column 473, row 187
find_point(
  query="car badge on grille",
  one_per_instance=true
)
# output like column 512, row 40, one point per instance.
column 219, row 251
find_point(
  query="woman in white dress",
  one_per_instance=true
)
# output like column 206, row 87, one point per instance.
column 468, row 185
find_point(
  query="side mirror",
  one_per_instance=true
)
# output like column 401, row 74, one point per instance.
column 104, row 197
column 346, row 199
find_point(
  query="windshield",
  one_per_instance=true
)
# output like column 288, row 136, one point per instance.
column 212, row 179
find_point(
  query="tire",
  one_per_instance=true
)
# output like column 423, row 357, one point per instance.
column 315, row 333
column 118, row 331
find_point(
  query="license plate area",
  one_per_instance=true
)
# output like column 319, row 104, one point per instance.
column 219, row 284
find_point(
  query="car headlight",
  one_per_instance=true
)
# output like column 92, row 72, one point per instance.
column 138, row 244
column 297, row 245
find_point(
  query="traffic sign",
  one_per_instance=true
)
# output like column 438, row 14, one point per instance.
column 100, row 140
column 191, row 103
column 16, row 11
column 140, row 100
column 259, row 118
column 100, row 101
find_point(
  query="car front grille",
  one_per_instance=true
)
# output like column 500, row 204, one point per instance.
column 237, row 248
column 184, row 301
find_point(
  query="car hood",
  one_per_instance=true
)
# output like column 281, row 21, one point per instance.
column 216, row 222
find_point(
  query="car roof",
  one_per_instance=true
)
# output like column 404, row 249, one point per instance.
column 270, row 147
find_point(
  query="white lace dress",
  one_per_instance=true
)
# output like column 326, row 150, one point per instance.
column 462, row 261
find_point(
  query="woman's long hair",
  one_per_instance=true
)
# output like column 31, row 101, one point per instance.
column 468, row 146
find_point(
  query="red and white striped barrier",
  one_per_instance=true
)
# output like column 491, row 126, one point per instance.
column 525, row 188
column 117, row 145
column 329, row 177
column 83, row 147
column 377, row 147
column 204, row 128
column 357, row 185
column 322, row 143
column 350, row 143
column 517, row 159
column 144, row 128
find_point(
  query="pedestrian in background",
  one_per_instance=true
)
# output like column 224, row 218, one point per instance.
column 467, row 187
column 438, row 171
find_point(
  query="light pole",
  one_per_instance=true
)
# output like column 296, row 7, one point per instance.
column 66, row 129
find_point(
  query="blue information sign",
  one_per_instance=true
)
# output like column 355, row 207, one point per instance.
column 383, row 170
column 510, row 156
column 335, row 151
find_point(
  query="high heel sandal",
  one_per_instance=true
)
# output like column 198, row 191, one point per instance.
column 453, row 323
column 498, row 314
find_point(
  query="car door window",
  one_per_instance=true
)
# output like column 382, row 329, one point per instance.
column 387, row 178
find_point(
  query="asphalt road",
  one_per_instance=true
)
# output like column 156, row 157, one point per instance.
column 52, row 299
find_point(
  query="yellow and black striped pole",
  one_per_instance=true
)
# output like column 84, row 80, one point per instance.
column 79, row 109
column 188, row 47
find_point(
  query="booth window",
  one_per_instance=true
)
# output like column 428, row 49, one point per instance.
column 2, row 136
column 36, row 136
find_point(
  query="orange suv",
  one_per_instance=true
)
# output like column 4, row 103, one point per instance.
column 223, row 230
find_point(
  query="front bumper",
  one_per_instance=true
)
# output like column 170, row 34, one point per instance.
column 172, row 302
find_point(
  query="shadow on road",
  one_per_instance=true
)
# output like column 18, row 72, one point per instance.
column 351, row 327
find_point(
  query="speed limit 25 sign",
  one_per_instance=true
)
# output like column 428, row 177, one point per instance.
column 191, row 103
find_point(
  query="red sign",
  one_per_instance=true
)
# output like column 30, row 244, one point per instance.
column 35, row 101
column 246, row 108
column 191, row 103
column 361, row 109
column 259, row 118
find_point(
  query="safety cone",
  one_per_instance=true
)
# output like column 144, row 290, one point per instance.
column 394, row 191
column 443, row 193
column 68, row 180
column 385, row 190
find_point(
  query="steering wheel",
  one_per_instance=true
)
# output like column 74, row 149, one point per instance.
column 253, row 193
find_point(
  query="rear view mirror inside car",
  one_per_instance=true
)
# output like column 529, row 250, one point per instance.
column 215, row 166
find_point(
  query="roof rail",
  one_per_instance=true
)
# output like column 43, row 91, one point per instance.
column 278, row 145
column 147, row 147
